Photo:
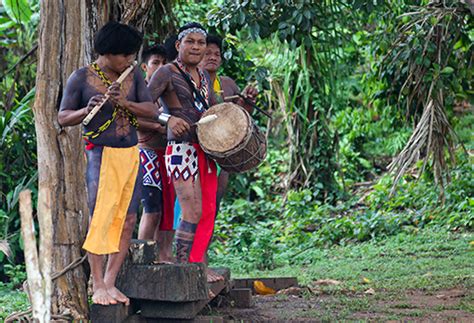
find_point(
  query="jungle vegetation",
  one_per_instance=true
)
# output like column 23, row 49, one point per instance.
column 371, row 132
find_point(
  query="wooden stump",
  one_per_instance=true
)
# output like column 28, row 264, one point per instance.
column 109, row 313
column 166, row 291
column 171, row 283
column 241, row 297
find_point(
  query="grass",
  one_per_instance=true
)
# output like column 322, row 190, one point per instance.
column 11, row 301
column 427, row 261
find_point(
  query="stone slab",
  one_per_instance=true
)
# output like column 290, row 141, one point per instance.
column 164, row 282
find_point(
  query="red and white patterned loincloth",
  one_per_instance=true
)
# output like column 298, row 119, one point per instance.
column 181, row 161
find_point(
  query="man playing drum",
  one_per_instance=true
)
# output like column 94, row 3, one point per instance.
column 111, row 149
column 185, row 90
column 157, row 192
column 224, row 87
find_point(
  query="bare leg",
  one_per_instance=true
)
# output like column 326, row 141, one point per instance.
column 189, row 196
column 165, row 241
column 100, row 296
column 148, row 223
column 116, row 260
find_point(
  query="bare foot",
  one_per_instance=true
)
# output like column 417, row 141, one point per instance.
column 118, row 295
column 212, row 276
column 102, row 297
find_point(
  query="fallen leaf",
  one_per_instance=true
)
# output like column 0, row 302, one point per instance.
column 471, row 243
column 370, row 291
column 365, row 280
column 327, row 282
column 261, row 289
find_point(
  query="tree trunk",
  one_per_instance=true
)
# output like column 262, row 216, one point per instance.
column 61, row 162
column 65, row 44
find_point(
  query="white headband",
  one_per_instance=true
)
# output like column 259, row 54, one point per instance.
column 186, row 32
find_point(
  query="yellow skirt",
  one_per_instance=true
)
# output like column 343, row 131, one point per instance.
column 118, row 174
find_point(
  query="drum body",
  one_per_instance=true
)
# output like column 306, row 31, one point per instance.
column 232, row 140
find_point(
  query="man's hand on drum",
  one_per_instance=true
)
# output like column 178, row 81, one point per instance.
column 178, row 126
column 250, row 92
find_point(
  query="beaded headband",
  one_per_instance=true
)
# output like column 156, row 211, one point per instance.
column 186, row 32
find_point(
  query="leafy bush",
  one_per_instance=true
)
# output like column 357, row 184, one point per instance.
column 270, row 231
column 18, row 36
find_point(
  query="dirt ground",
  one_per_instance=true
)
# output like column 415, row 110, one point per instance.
column 456, row 304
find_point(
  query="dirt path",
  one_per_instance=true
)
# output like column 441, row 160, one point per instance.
column 455, row 304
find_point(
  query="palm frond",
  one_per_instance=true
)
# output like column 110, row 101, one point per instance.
column 433, row 138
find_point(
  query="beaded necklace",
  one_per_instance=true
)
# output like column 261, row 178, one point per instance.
column 202, row 86
column 117, row 109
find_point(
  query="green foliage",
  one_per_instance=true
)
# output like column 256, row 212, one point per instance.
column 430, row 51
column 334, row 83
column 17, row 166
column 18, row 23
column 305, row 39
column 12, row 301
column 366, row 138
column 18, row 11
column 270, row 231
column 16, row 275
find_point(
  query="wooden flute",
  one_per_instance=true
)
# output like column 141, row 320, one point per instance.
column 97, row 108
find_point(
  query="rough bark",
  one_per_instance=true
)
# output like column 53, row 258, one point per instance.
column 61, row 161
column 65, row 44
column 98, row 12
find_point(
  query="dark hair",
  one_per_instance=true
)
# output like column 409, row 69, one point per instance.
column 158, row 50
column 169, row 44
column 116, row 38
column 216, row 40
column 191, row 25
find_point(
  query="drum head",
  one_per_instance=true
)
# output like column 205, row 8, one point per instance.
column 227, row 131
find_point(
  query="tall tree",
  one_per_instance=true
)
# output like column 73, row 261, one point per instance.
column 60, row 179
column 65, row 44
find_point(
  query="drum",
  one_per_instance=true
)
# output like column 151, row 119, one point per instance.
column 232, row 139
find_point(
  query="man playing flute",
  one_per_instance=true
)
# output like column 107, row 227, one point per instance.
column 113, row 184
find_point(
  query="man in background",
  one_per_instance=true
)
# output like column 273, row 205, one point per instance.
column 158, row 197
